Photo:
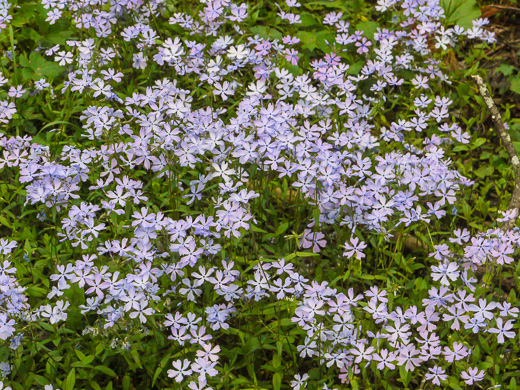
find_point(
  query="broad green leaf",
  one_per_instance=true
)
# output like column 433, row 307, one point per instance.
column 266, row 32
column 368, row 27
column 308, row 39
column 460, row 12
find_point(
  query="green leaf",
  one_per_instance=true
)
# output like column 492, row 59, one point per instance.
column 460, row 12
column 79, row 354
column 257, row 229
column 454, row 383
column 47, row 327
column 306, row 254
column 323, row 40
column 340, row 4
column 515, row 84
column 355, row 68
column 106, row 370
column 484, row 171
column 307, row 20
column 308, row 39
column 277, row 380
column 368, row 27
column 100, row 348
column 135, row 355
column 85, row 362
column 126, row 382
column 71, row 380
column 506, row 69
column 282, row 228
column 266, row 32
column 37, row 67
column 478, row 143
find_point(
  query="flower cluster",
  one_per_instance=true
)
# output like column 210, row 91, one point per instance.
column 166, row 183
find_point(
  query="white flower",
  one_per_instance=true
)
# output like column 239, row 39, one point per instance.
column 63, row 58
column 181, row 369
column 239, row 52
column 257, row 88
column 299, row 382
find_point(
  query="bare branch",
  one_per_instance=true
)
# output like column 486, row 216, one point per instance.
column 514, row 203
column 505, row 8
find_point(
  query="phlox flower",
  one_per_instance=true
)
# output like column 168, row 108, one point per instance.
column 385, row 359
column 355, row 247
column 139, row 61
column 483, row 309
column 56, row 313
column 459, row 352
column 503, row 330
column 256, row 89
column 472, row 375
column 64, row 58
column 292, row 3
column 363, row 45
column 361, row 353
column 407, row 357
column 181, row 369
column 204, row 366
column 238, row 52
column 299, row 381
column 291, row 55
column 288, row 40
column 141, row 311
column 6, row 327
column 506, row 309
column 209, row 352
column 420, row 81
column 16, row 92
column 436, row 374
column 223, row 90
column 314, row 240
column 445, row 272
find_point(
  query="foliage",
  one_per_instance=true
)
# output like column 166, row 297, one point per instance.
column 251, row 196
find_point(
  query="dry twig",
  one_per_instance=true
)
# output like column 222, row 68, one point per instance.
column 505, row 8
column 514, row 203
